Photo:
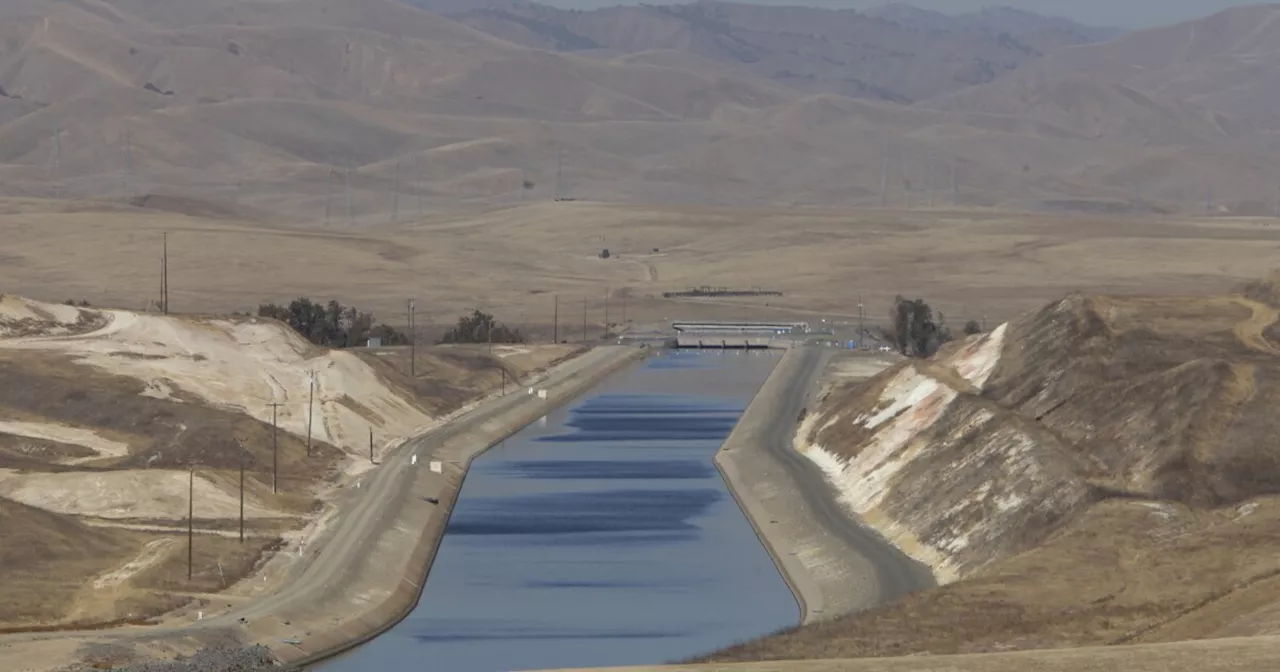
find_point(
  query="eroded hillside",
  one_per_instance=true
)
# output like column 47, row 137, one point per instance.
column 109, row 418
column 1099, row 471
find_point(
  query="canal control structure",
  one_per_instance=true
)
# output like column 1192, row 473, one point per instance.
column 737, row 335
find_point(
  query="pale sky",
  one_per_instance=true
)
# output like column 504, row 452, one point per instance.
column 1115, row 13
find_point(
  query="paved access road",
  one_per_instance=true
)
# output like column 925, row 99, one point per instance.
column 368, row 512
column 897, row 574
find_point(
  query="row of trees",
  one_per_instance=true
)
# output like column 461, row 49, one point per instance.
column 480, row 327
column 332, row 325
column 914, row 331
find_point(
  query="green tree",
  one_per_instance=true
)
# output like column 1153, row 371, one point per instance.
column 915, row 332
column 331, row 325
column 480, row 327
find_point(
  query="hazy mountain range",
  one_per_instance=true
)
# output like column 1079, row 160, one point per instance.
column 296, row 106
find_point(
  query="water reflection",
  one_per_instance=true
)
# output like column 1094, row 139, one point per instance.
column 605, row 537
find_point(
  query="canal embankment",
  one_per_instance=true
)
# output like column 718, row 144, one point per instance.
column 601, row 534
column 364, row 583
column 833, row 564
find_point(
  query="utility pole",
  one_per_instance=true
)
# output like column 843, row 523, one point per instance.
column 371, row 445
column 555, row 329
column 310, row 410
column 242, row 451
column 862, row 330
column 57, row 153
column 606, row 312
column 928, row 179
column 128, row 160
column 395, row 196
column 164, row 273
column 584, row 320
column 955, row 184
column 884, row 177
column 559, row 173
column 328, row 194
column 275, row 449
column 191, row 510
column 412, row 315
column 906, row 182
column 351, row 218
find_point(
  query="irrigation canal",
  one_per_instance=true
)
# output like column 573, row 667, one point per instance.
column 600, row 535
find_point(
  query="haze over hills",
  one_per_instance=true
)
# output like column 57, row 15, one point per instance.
column 338, row 111
column 896, row 53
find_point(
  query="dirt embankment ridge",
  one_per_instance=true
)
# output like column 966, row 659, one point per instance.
column 1100, row 471
column 109, row 418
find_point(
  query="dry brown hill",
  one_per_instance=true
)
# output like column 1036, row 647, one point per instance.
column 342, row 112
column 886, row 56
column 1101, row 471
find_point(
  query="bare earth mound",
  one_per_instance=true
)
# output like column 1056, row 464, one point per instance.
column 104, row 413
column 1101, row 471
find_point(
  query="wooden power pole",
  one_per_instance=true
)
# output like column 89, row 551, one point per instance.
column 275, row 450
column 311, row 402
column 191, row 510
column 241, row 447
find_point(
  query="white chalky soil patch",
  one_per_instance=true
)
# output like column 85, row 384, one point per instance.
column 75, row 436
column 142, row 493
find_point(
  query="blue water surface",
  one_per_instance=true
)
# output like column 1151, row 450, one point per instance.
column 601, row 535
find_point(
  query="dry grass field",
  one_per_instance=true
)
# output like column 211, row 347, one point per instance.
column 511, row 261
column 1256, row 654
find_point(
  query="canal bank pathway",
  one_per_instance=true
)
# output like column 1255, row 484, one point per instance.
column 833, row 563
